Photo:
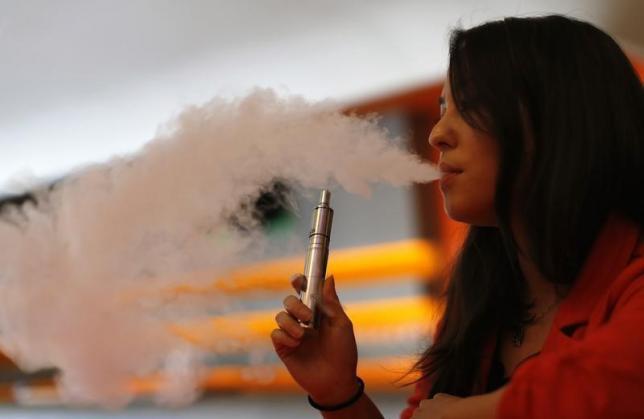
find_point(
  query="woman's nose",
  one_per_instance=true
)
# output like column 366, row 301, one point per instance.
column 440, row 139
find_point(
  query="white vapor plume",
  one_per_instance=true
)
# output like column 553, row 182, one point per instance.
column 139, row 222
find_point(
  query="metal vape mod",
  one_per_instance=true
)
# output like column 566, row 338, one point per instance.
column 317, row 255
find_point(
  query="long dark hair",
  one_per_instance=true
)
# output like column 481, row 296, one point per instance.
column 567, row 110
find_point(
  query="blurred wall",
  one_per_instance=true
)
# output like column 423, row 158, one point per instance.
column 82, row 80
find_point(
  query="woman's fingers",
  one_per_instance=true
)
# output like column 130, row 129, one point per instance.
column 287, row 323
column 281, row 338
column 297, row 308
column 298, row 281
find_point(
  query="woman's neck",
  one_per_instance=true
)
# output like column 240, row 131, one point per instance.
column 542, row 292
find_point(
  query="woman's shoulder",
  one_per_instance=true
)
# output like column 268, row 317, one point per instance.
column 639, row 249
column 630, row 238
column 635, row 266
column 629, row 285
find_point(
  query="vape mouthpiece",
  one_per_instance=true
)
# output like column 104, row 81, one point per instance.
column 316, row 257
column 325, row 197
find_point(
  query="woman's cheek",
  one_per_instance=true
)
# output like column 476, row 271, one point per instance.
column 469, row 203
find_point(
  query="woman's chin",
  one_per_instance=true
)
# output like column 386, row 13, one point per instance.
column 470, row 216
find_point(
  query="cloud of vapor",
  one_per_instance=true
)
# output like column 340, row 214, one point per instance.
column 138, row 222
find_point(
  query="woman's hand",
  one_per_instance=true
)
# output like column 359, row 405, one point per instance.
column 323, row 362
column 437, row 407
column 445, row 406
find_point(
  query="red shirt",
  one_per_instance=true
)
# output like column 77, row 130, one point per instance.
column 592, row 362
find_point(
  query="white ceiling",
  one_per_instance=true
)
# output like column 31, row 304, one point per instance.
column 81, row 80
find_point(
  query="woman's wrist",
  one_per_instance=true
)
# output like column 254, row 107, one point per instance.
column 338, row 395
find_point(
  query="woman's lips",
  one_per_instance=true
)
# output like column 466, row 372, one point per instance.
column 448, row 173
column 447, row 179
column 448, row 168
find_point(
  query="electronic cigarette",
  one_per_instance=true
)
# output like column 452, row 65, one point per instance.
column 317, row 255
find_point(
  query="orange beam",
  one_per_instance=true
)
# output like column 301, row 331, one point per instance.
column 418, row 99
column 380, row 375
column 404, row 318
column 638, row 64
column 418, row 258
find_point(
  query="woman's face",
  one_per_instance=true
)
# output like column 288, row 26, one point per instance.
column 468, row 163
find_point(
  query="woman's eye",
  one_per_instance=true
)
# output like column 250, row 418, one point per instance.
column 442, row 106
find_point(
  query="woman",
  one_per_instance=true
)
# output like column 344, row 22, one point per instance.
column 541, row 142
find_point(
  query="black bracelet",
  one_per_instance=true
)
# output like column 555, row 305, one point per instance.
column 348, row 403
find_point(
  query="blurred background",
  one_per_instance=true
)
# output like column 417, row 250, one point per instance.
column 84, row 80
